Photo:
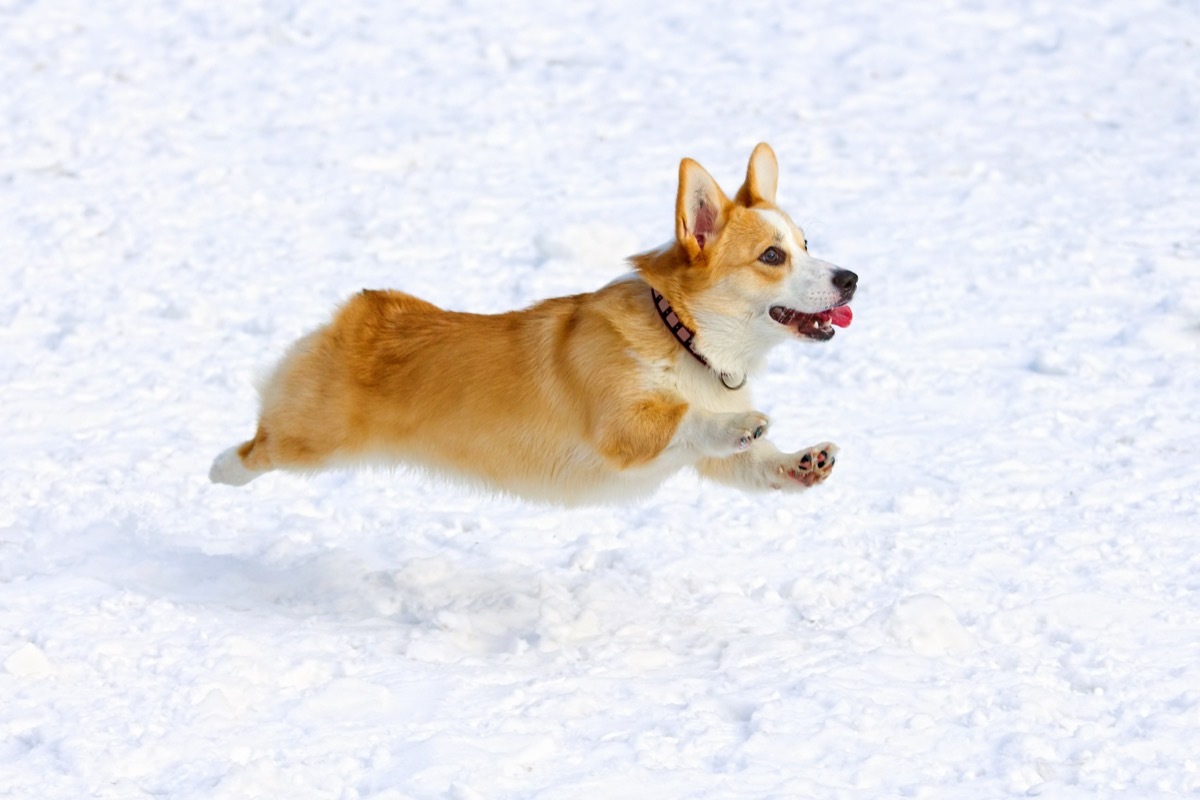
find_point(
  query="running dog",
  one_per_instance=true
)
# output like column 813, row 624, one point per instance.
column 590, row 398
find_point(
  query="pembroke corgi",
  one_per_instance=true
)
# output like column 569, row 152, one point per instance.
column 589, row 398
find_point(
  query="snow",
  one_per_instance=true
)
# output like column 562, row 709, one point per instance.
column 996, row 594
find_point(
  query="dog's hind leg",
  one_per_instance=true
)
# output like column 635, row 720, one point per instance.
column 269, row 450
column 303, row 422
column 231, row 467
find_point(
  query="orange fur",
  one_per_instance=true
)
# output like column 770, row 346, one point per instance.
column 574, row 399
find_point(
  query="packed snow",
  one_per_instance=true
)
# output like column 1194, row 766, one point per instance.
column 996, row 594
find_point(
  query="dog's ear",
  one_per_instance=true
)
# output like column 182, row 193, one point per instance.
column 699, row 208
column 762, row 177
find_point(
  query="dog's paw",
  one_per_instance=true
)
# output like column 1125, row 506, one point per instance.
column 808, row 467
column 229, row 469
column 741, row 430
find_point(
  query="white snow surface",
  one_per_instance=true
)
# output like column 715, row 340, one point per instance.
column 996, row 594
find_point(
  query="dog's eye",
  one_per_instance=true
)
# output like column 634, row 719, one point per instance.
column 806, row 244
column 773, row 256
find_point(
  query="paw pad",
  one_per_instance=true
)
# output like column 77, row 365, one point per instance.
column 813, row 466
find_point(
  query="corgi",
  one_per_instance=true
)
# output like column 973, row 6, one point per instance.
column 590, row 398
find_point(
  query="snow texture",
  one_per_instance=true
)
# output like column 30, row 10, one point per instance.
column 996, row 594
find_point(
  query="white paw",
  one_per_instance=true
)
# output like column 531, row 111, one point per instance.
column 808, row 467
column 228, row 468
column 739, row 431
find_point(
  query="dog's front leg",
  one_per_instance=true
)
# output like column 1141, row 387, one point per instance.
column 718, row 435
column 658, row 429
column 763, row 467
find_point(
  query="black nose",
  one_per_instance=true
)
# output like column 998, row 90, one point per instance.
column 845, row 280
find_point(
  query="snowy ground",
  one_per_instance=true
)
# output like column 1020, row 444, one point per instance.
column 997, row 593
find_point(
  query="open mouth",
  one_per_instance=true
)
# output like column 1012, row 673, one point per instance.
column 817, row 326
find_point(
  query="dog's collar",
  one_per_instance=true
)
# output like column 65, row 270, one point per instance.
column 686, row 336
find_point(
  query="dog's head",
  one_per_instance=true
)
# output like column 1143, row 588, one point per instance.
column 740, row 269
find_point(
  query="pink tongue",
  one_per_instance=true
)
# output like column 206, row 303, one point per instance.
column 840, row 316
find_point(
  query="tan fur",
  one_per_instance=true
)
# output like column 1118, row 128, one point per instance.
column 575, row 399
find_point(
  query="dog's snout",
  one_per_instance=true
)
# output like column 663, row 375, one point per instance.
column 845, row 280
